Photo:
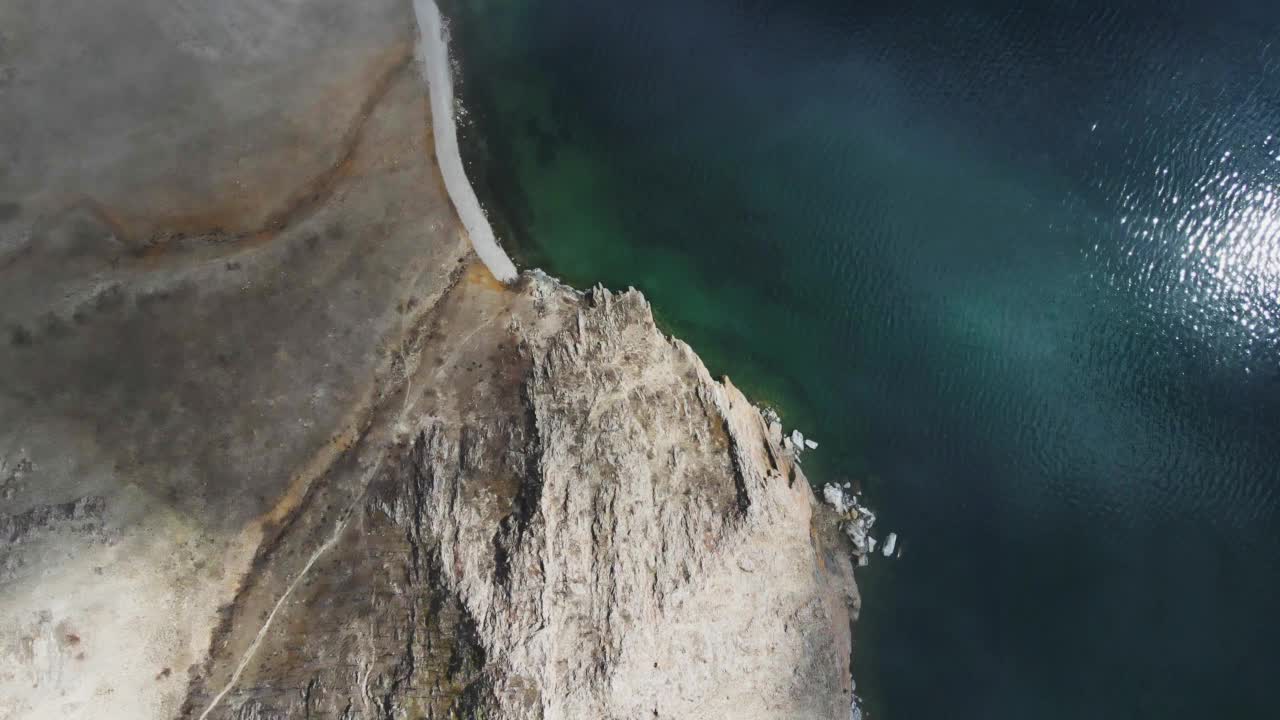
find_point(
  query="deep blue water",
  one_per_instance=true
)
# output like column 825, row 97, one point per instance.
column 1015, row 265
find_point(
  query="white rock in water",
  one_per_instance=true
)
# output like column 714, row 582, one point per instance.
column 871, row 544
column 890, row 543
column 797, row 439
column 811, row 444
column 868, row 517
column 835, row 498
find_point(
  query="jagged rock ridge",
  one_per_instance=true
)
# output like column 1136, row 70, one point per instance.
column 575, row 521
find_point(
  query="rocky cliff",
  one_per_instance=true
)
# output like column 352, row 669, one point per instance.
column 568, row 518
column 275, row 445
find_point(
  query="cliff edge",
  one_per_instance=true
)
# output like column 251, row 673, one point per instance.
column 567, row 518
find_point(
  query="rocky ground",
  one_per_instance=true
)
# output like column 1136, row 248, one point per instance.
column 273, row 444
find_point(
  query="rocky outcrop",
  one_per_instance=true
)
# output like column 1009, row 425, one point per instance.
column 274, row 444
column 569, row 519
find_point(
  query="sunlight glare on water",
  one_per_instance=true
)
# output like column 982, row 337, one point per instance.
column 1208, row 248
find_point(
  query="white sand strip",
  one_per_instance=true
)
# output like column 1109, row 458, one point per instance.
column 433, row 53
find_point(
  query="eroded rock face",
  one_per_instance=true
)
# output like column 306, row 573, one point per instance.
column 572, row 520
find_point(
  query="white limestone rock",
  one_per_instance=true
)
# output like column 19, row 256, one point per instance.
column 890, row 544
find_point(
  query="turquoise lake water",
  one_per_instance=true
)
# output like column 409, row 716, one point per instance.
column 1016, row 266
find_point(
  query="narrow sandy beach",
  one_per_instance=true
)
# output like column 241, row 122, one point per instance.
column 433, row 52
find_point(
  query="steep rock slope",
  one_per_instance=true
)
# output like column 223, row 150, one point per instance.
column 568, row 518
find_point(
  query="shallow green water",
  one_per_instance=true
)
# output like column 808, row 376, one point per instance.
column 1017, row 269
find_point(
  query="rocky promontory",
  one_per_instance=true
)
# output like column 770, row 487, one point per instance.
column 276, row 445
column 560, row 515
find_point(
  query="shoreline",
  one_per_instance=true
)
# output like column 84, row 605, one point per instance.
column 841, row 516
column 433, row 55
